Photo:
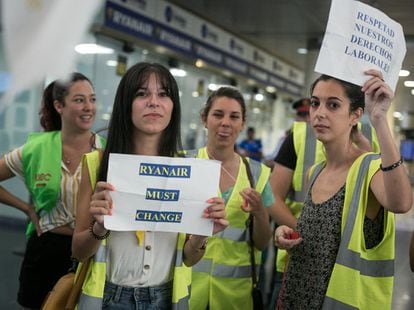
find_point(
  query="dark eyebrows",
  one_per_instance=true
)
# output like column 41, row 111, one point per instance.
column 329, row 98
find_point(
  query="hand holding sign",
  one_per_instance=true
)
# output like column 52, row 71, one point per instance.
column 358, row 38
column 378, row 97
column 157, row 193
column 101, row 202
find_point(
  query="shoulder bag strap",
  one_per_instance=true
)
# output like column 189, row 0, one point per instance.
column 250, row 223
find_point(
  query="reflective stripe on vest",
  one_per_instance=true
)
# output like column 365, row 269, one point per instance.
column 330, row 304
column 235, row 234
column 220, row 270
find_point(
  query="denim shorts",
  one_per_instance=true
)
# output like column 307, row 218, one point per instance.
column 118, row 297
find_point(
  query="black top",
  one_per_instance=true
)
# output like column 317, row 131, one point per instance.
column 287, row 155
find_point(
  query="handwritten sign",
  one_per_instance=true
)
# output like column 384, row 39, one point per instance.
column 155, row 193
column 359, row 37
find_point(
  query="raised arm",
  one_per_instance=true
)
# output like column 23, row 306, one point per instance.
column 390, row 185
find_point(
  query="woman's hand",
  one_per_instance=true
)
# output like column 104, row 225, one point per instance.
column 101, row 202
column 34, row 218
column 283, row 238
column 378, row 96
column 252, row 201
column 216, row 212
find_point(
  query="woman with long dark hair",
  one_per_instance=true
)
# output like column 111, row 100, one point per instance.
column 130, row 270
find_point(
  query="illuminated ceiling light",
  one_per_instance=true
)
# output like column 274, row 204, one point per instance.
column 195, row 94
column 256, row 110
column 178, row 72
column 227, row 73
column 144, row 52
column 397, row 114
column 404, row 73
column 247, row 96
column 106, row 116
column 270, row 89
column 199, row 63
column 160, row 49
column 302, row 51
column 213, row 87
column 193, row 126
column 92, row 48
column 412, row 92
column 111, row 63
column 258, row 97
column 409, row 83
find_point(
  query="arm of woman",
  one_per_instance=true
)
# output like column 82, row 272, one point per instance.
column 195, row 245
column 90, row 209
column 9, row 199
column 261, row 226
column 280, row 181
column 391, row 188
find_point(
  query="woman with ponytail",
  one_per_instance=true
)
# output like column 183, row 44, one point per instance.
column 50, row 165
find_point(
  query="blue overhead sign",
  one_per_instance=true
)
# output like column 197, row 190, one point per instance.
column 170, row 33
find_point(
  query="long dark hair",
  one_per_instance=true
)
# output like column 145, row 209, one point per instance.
column 50, row 119
column 121, row 128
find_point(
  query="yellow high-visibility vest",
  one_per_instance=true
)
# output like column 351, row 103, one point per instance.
column 222, row 279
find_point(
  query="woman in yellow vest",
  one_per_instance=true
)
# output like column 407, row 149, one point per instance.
column 136, row 270
column 298, row 153
column 345, row 254
column 223, row 277
column 49, row 162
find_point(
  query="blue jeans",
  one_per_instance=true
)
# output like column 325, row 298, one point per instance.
column 137, row 298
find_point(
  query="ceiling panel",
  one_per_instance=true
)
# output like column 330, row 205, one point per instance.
column 282, row 26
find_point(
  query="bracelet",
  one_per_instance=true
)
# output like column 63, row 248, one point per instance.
column 393, row 166
column 202, row 248
column 98, row 237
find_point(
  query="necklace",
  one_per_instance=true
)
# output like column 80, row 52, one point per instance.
column 222, row 167
column 67, row 160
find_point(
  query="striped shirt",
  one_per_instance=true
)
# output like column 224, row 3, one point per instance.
column 65, row 210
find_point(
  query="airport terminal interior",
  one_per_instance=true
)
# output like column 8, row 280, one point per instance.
column 267, row 49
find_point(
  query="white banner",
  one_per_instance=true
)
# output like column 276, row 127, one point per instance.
column 40, row 37
column 357, row 38
column 154, row 193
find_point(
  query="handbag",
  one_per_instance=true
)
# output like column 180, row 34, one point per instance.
column 66, row 291
column 256, row 292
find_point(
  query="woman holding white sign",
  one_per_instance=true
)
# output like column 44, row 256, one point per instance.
column 131, row 270
column 345, row 254
column 223, row 279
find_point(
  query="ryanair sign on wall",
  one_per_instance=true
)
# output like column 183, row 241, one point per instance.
column 155, row 193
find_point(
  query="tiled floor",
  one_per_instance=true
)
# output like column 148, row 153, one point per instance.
column 12, row 245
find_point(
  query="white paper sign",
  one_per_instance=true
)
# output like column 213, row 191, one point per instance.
column 154, row 193
column 357, row 38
